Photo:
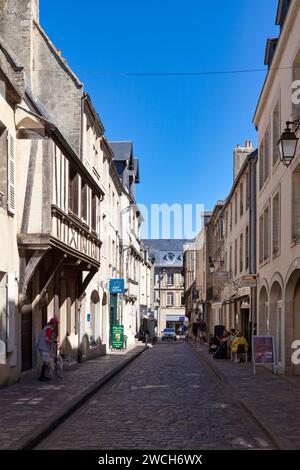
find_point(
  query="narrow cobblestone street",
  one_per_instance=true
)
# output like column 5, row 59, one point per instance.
column 166, row 399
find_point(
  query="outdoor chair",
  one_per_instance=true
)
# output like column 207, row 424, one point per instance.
column 240, row 354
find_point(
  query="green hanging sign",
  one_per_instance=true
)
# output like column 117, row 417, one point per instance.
column 118, row 337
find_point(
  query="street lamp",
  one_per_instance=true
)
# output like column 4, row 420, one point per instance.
column 288, row 142
column 212, row 262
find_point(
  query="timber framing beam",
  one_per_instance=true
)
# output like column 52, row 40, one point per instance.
column 30, row 268
column 87, row 280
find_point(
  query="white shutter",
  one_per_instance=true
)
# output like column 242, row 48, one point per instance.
column 10, row 312
column 11, row 175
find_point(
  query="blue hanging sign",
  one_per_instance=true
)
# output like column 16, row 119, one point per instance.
column 116, row 286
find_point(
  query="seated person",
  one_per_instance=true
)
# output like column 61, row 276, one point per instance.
column 239, row 340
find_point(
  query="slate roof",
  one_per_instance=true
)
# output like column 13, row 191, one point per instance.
column 165, row 244
column 121, row 150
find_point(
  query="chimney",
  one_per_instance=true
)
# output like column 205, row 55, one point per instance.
column 239, row 156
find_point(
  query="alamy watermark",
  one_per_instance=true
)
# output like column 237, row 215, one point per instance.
column 296, row 353
column 178, row 221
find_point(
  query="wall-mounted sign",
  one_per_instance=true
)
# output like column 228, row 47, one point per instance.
column 116, row 286
column 263, row 351
column 247, row 281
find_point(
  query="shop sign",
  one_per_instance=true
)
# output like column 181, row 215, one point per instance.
column 116, row 286
column 247, row 281
column 118, row 337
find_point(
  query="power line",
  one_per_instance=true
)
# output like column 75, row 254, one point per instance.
column 175, row 74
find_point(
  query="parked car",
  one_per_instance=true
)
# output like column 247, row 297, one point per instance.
column 169, row 333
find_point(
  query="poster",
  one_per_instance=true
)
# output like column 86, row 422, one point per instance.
column 118, row 337
column 263, row 350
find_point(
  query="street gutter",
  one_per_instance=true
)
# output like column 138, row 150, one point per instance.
column 43, row 430
column 278, row 442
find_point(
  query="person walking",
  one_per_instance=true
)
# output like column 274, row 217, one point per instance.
column 195, row 328
column 202, row 331
column 45, row 343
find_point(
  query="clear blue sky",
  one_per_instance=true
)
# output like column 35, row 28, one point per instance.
column 184, row 129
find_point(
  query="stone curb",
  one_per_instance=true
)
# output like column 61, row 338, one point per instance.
column 43, row 430
column 278, row 442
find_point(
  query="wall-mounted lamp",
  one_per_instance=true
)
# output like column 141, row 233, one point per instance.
column 288, row 142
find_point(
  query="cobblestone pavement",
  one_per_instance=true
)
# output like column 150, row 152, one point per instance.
column 274, row 399
column 166, row 399
column 29, row 406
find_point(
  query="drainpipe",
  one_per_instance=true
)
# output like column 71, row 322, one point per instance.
column 252, row 237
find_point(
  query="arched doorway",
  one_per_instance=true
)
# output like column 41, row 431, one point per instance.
column 292, row 319
column 263, row 315
column 275, row 319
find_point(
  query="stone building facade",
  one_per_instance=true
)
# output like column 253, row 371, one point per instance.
column 68, row 216
column 278, row 202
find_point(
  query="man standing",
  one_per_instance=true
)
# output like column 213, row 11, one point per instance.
column 195, row 330
column 202, row 331
column 45, row 342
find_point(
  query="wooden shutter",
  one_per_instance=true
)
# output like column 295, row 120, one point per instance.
column 11, row 175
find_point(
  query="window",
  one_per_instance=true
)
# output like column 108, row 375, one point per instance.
column 3, row 161
column 230, row 260
column 170, row 299
column 235, row 208
column 73, row 191
column 84, row 201
column 296, row 205
column 7, row 170
column 247, row 191
column 94, row 212
column 264, row 236
column 235, row 256
column 247, row 248
column 170, row 279
column 241, row 199
column 276, row 132
column 264, row 159
column 296, row 78
column 261, row 239
column 182, row 300
column 230, row 217
column 266, row 155
column 261, row 165
column 241, row 252
column 276, row 225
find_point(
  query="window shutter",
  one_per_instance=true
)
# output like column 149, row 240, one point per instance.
column 11, row 175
